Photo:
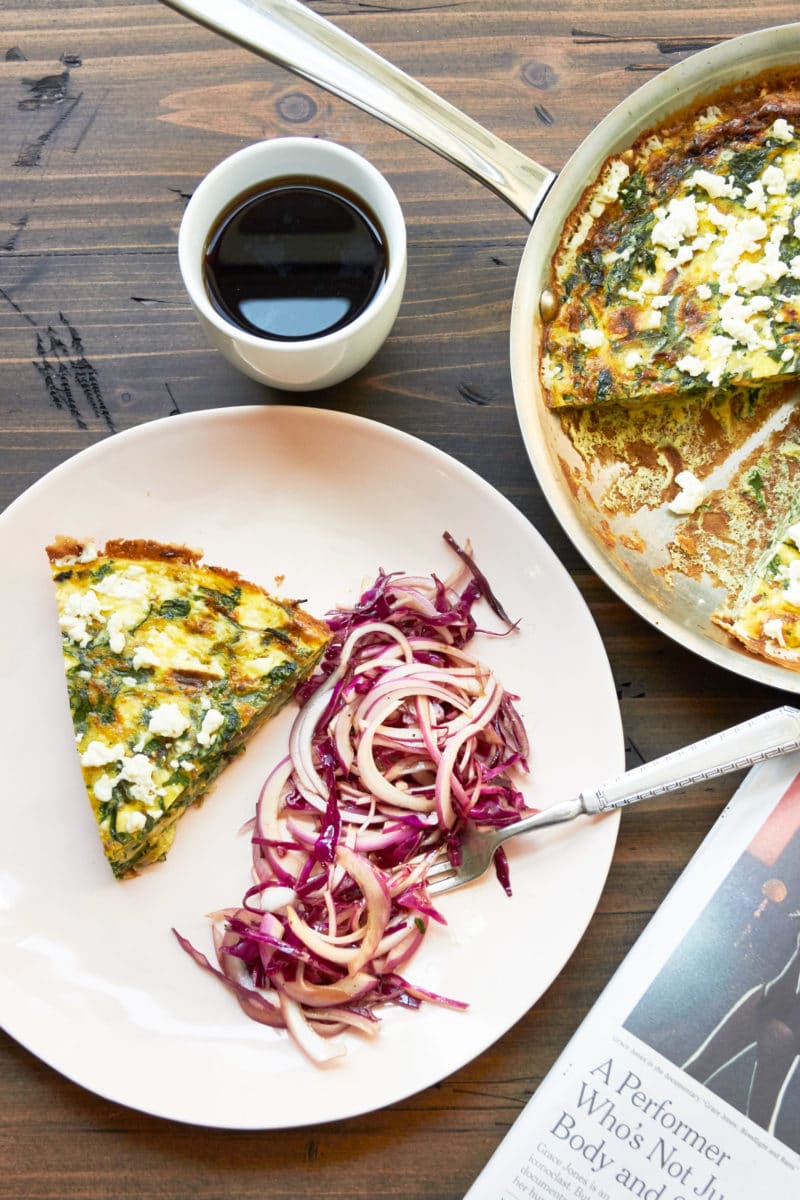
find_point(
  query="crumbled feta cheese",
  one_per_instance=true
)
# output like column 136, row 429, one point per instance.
column 124, row 585
column 591, row 338
column 130, row 820
column 75, row 629
column 735, row 318
column 651, row 319
column 752, row 276
column 787, row 355
column 98, row 754
column 742, row 237
column 756, row 197
column 212, row 723
column 774, row 180
column 143, row 656
column 608, row 188
column 711, row 115
column 579, row 236
column 691, row 495
column 793, row 534
column 704, row 242
column 88, row 554
column 781, row 130
column 258, row 667
column 632, row 359
column 660, row 302
column 549, row 372
column 719, row 350
column 116, row 626
column 168, row 721
column 677, row 223
column 691, row 364
column 103, row 787
column 750, row 231
column 79, row 611
column 721, row 220
column 138, row 771
column 715, row 185
column 773, row 629
column 704, row 291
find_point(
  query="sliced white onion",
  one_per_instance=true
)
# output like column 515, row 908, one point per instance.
column 402, row 740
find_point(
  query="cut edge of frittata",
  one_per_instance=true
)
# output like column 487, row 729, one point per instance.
column 765, row 615
column 171, row 666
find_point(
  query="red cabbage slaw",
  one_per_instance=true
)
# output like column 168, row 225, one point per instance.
column 402, row 738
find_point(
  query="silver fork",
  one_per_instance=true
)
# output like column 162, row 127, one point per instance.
column 767, row 736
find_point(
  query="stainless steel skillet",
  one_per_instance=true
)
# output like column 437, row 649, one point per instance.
column 288, row 33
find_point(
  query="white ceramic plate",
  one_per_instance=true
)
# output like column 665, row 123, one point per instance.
column 93, row 981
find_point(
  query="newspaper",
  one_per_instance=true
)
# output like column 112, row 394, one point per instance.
column 682, row 1081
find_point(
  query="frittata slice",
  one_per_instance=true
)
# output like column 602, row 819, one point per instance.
column 765, row 618
column 171, row 665
column 679, row 271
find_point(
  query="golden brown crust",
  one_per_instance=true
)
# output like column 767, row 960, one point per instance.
column 64, row 547
column 148, row 550
column 134, row 548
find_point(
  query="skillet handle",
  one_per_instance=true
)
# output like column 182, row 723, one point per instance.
column 292, row 35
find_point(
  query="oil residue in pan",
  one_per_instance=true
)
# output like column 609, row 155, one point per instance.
column 622, row 468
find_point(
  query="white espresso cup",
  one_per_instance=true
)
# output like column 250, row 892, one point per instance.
column 315, row 361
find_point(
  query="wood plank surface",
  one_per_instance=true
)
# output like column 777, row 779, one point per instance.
column 110, row 114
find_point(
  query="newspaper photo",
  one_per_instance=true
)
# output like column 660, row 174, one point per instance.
column 682, row 1081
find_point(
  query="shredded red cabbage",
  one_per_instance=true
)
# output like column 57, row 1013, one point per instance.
column 402, row 738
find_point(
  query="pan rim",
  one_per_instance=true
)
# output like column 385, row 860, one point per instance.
column 736, row 59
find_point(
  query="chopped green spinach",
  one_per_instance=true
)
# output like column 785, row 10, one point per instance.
column 747, row 165
column 226, row 602
column 174, row 608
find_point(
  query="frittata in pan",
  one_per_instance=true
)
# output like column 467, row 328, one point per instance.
column 679, row 271
column 765, row 618
column 171, row 665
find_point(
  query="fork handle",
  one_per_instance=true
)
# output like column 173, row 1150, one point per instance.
column 767, row 736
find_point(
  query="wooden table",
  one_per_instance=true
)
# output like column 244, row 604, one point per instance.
column 111, row 113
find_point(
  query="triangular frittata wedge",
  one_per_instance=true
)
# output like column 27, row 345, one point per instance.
column 765, row 617
column 171, row 665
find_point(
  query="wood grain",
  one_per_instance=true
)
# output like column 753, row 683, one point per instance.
column 110, row 114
